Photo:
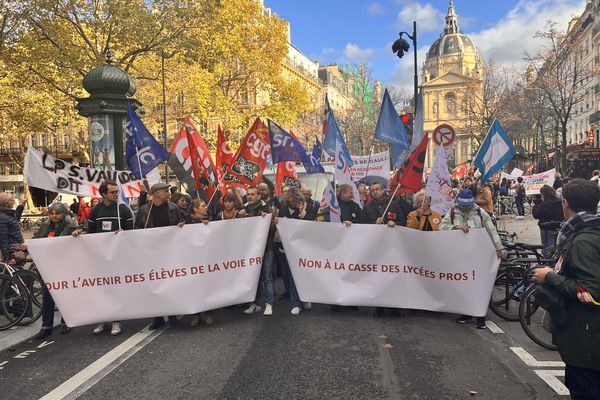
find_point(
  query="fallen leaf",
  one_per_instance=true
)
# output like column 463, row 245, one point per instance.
column 382, row 337
column 388, row 346
column 472, row 393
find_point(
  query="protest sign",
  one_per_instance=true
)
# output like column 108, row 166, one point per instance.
column 152, row 272
column 49, row 173
column 533, row 183
column 379, row 165
column 373, row 265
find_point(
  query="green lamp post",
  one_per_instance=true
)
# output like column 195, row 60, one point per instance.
column 111, row 90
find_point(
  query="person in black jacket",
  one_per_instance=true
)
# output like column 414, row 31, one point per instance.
column 373, row 212
column 350, row 211
column 10, row 231
column 550, row 215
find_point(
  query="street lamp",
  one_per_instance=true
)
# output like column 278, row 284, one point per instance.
column 401, row 46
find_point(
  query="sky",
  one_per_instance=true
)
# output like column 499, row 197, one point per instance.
column 353, row 31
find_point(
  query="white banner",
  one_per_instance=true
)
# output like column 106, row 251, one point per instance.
column 379, row 165
column 533, row 183
column 46, row 172
column 439, row 184
column 373, row 265
column 152, row 272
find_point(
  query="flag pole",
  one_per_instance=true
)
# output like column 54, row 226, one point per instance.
column 149, row 212
column 120, row 187
column 390, row 202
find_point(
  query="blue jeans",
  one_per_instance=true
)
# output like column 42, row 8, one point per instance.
column 267, row 279
column 548, row 240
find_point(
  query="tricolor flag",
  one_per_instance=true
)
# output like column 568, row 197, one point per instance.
column 495, row 151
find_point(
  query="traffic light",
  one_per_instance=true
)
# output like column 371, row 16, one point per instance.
column 407, row 121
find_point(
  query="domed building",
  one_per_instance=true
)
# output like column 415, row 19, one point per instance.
column 452, row 69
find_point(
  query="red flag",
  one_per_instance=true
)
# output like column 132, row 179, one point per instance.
column 530, row 169
column 410, row 175
column 250, row 160
column 460, row 171
column 190, row 158
column 224, row 155
column 286, row 176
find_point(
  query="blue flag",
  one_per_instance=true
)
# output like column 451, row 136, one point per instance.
column 142, row 152
column 317, row 150
column 390, row 128
column 495, row 151
column 333, row 134
column 398, row 155
column 285, row 147
column 418, row 119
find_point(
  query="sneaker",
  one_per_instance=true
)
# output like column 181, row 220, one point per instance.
column 296, row 311
column 195, row 321
column 463, row 319
column 64, row 329
column 98, row 329
column 209, row 320
column 252, row 309
column 480, row 323
column 307, row 305
column 268, row 310
column 116, row 329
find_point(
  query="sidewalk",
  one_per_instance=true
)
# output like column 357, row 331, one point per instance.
column 526, row 229
column 18, row 334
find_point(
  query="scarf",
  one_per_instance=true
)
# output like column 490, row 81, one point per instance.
column 574, row 225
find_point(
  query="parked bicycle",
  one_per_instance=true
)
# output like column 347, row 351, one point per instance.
column 507, row 205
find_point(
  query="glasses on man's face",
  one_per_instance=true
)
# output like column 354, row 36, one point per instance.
column 113, row 192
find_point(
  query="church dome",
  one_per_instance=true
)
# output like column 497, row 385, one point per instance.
column 451, row 41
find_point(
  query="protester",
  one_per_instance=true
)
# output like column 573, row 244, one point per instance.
column 10, row 231
column 157, row 213
column 504, row 186
column 232, row 204
column 520, row 197
column 105, row 217
column 253, row 208
column 294, row 207
column 465, row 216
column 558, row 181
column 484, row 199
column 198, row 214
column 58, row 224
column 571, row 293
column 373, row 213
column 362, row 193
column 74, row 207
column 349, row 210
column 311, row 205
column 182, row 201
column 424, row 218
column 550, row 215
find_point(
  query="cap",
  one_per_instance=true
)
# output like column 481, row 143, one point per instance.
column 465, row 198
column 159, row 186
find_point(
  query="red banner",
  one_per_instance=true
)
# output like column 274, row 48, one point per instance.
column 223, row 155
column 286, row 176
column 250, row 160
column 410, row 175
column 460, row 171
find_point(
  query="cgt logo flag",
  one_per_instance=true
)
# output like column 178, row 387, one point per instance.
column 286, row 176
column 182, row 159
column 495, row 151
column 250, row 160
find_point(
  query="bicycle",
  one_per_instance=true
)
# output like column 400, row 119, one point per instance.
column 535, row 320
column 13, row 301
column 507, row 204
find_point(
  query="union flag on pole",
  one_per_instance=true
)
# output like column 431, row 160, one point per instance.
column 410, row 175
column 286, row 176
column 250, row 160
column 223, row 155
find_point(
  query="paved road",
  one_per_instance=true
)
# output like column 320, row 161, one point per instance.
column 317, row 355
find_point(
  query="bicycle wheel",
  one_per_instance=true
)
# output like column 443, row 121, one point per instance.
column 13, row 301
column 507, row 292
column 527, row 208
column 533, row 320
column 34, row 286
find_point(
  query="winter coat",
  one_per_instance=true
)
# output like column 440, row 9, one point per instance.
column 375, row 209
column 414, row 221
column 175, row 216
column 549, row 213
column 579, row 336
column 350, row 211
column 63, row 228
column 10, row 231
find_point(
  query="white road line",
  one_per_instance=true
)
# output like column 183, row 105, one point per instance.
column 93, row 373
column 491, row 325
column 550, row 377
column 530, row 361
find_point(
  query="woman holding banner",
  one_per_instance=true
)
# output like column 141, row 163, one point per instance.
column 58, row 224
column 423, row 218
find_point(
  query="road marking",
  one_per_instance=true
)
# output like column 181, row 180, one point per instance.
column 491, row 325
column 44, row 344
column 2, row 364
column 550, row 376
column 530, row 361
column 93, row 373
column 24, row 354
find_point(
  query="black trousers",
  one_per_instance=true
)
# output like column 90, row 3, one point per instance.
column 519, row 201
column 583, row 383
column 48, row 309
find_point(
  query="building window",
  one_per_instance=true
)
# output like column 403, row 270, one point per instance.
column 2, row 169
column 11, row 168
column 451, row 103
column 435, row 108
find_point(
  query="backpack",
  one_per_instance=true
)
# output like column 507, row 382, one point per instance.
column 452, row 213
